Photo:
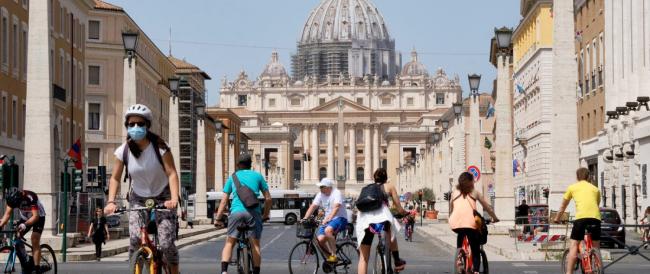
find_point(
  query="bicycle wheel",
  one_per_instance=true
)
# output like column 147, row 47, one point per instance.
column 485, row 267
column 7, row 259
column 48, row 260
column 565, row 258
column 596, row 262
column 303, row 259
column 243, row 260
column 348, row 255
column 383, row 257
column 141, row 261
column 460, row 259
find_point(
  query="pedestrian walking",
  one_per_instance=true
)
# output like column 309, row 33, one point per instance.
column 98, row 232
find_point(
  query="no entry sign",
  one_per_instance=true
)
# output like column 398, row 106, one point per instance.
column 475, row 172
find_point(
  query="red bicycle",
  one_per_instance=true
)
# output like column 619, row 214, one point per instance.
column 589, row 258
column 408, row 232
column 463, row 260
column 147, row 259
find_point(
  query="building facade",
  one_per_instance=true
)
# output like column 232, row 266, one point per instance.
column 348, row 119
column 55, row 94
column 13, row 78
column 545, row 147
column 104, row 77
column 590, row 54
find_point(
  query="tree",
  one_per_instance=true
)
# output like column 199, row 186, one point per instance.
column 427, row 194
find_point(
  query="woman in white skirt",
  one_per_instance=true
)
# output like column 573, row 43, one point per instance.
column 378, row 216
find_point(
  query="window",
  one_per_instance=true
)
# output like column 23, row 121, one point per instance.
column 93, row 157
column 94, row 116
column 321, row 101
column 15, row 52
column 24, row 55
column 386, row 100
column 61, row 70
column 272, row 102
column 14, row 117
column 94, row 75
column 360, row 101
column 4, row 114
column 322, row 137
column 440, row 98
column 409, row 101
column 93, row 29
column 241, row 100
column 5, row 40
column 24, row 119
column 295, row 101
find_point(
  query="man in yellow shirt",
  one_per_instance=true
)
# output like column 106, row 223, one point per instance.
column 587, row 198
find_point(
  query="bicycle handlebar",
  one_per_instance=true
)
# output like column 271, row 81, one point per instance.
column 139, row 208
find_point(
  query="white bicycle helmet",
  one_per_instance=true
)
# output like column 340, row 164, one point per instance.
column 139, row 110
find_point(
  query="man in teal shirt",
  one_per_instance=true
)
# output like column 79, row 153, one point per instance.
column 242, row 216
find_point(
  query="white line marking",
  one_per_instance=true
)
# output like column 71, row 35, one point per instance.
column 273, row 240
column 519, row 265
column 530, row 272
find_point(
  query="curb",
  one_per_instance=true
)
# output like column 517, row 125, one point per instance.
column 90, row 256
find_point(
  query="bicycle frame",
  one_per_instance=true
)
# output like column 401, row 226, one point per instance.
column 585, row 259
column 149, row 215
column 321, row 253
column 15, row 241
column 469, row 263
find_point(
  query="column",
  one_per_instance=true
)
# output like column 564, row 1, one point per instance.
column 504, row 199
column 314, row 153
column 330, row 151
column 201, row 203
column 474, row 138
column 39, row 140
column 375, row 147
column 352, row 162
column 564, row 138
column 174, row 141
column 305, row 149
column 218, row 162
column 367, row 154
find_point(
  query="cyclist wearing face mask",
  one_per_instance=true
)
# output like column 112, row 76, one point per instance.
column 151, row 173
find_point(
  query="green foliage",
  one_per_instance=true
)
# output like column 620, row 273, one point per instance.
column 427, row 194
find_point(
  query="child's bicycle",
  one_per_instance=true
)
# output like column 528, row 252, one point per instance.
column 147, row 259
column 463, row 259
column 408, row 231
column 645, row 236
column 589, row 259
column 13, row 246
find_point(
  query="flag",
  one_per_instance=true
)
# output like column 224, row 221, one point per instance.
column 579, row 36
column 515, row 167
column 75, row 154
column 520, row 89
column 490, row 111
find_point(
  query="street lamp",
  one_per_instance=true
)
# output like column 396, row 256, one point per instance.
column 622, row 111
column 643, row 101
column 200, row 109
column 504, row 38
column 173, row 85
column 436, row 137
column 458, row 109
column 612, row 114
column 218, row 126
column 474, row 82
column 445, row 125
column 130, row 41
column 231, row 137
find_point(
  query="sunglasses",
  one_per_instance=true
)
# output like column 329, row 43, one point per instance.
column 132, row 124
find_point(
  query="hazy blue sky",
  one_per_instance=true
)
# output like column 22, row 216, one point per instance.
column 225, row 36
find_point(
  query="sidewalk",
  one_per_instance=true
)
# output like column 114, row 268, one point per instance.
column 500, row 246
column 86, row 252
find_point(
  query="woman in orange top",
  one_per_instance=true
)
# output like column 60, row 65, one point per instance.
column 461, row 219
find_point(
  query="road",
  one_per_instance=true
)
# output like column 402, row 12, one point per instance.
column 422, row 255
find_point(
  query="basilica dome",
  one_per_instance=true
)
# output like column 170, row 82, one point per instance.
column 344, row 20
column 414, row 68
column 274, row 68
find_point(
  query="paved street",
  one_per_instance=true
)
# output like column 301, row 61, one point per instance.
column 423, row 256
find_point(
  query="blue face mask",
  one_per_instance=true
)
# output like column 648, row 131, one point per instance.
column 137, row 133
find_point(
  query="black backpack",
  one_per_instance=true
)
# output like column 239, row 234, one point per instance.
column 371, row 198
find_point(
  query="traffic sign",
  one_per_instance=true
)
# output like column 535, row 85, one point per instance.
column 475, row 172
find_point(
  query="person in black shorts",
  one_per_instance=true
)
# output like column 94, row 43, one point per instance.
column 32, row 217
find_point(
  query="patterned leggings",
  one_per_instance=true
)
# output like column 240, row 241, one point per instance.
column 166, row 221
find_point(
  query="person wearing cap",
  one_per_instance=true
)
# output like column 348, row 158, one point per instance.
column 151, row 174
column 242, row 216
column 336, row 217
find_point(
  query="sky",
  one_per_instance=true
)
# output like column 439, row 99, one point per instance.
column 223, row 37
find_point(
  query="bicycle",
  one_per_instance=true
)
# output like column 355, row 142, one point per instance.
column 589, row 258
column 408, row 231
column 14, row 247
column 347, row 234
column 463, row 259
column 147, row 257
column 383, row 256
column 304, row 256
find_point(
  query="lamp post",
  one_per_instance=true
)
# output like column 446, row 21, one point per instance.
column 130, row 41
column 474, row 82
column 173, row 86
column 474, row 145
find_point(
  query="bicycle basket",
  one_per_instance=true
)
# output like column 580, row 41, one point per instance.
column 305, row 230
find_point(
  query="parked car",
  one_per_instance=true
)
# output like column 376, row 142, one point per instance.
column 610, row 219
